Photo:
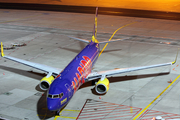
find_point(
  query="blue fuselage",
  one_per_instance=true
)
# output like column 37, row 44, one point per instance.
column 72, row 77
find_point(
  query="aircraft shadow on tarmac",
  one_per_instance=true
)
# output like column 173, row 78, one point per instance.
column 82, row 45
column 30, row 74
column 77, row 51
column 43, row 112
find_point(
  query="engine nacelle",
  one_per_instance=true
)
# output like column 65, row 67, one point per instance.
column 102, row 86
column 46, row 82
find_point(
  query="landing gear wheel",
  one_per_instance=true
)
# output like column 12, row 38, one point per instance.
column 58, row 113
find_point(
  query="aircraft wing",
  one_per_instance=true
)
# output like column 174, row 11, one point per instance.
column 95, row 75
column 50, row 70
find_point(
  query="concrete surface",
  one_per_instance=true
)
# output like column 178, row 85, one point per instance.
column 152, row 41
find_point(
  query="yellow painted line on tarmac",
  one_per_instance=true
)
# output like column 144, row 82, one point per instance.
column 56, row 117
column 60, row 113
column 71, row 110
column 113, row 36
column 65, row 110
column 67, row 116
column 43, row 116
column 155, row 99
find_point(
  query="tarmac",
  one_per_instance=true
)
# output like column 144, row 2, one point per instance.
column 145, row 93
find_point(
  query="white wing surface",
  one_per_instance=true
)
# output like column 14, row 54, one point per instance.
column 50, row 70
column 95, row 75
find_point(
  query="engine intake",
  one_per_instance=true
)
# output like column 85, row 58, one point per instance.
column 102, row 86
column 46, row 82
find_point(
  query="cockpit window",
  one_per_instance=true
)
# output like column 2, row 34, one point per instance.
column 50, row 96
column 61, row 95
column 56, row 95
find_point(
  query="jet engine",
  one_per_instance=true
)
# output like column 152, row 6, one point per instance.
column 102, row 86
column 46, row 82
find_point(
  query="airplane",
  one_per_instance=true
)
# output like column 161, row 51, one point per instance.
column 62, row 84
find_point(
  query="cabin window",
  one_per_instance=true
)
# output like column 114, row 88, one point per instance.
column 77, row 57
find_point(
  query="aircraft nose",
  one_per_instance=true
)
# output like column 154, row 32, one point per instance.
column 53, row 104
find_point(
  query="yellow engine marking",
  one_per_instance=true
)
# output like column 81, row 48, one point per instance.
column 155, row 99
column 113, row 36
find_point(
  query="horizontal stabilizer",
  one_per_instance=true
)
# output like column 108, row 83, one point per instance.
column 115, row 40
column 79, row 39
column 102, row 42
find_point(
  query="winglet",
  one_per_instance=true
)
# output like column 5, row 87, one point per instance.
column 2, row 53
column 176, row 58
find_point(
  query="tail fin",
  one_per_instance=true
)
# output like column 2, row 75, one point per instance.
column 95, row 28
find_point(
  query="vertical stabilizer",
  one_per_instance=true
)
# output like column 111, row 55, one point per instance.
column 95, row 28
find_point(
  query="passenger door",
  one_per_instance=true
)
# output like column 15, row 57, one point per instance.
column 69, row 90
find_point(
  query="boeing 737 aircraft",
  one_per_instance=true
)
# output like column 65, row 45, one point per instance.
column 63, row 84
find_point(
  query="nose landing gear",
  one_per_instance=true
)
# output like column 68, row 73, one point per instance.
column 58, row 113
